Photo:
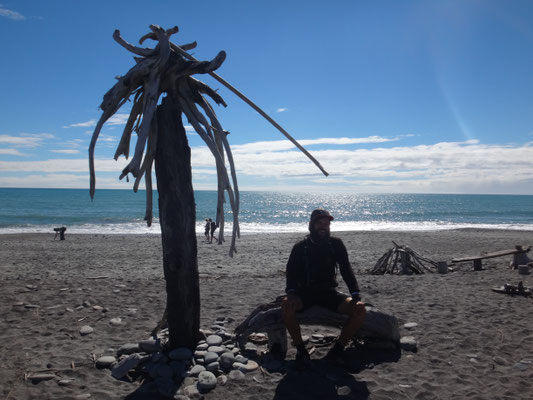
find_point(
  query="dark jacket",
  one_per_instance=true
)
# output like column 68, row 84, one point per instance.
column 313, row 266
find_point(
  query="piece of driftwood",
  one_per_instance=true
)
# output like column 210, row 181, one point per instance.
column 402, row 260
column 519, row 255
column 267, row 318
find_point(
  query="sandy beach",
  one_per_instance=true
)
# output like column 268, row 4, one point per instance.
column 472, row 342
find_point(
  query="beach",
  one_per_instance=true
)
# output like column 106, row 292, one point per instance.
column 471, row 341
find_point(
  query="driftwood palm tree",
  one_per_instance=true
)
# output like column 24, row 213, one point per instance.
column 168, row 69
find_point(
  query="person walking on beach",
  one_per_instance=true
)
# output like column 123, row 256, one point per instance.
column 311, row 280
column 214, row 227
column 207, row 229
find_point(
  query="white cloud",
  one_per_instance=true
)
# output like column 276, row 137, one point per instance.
column 66, row 151
column 11, row 152
column 281, row 109
column 280, row 145
column 451, row 167
column 14, row 15
column 25, row 139
column 117, row 119
column 91, row 122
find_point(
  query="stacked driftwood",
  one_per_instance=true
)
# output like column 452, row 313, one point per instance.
column 402, row 260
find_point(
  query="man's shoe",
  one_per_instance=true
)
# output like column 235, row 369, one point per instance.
column 335, row 354
column 303, row 360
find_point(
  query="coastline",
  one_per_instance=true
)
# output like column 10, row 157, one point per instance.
column 470, row 340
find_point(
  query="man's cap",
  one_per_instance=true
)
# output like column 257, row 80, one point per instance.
column 319, row 213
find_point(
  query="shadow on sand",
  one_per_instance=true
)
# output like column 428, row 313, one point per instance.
column 325, row 380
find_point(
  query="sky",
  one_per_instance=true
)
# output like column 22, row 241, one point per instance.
column 390, row 96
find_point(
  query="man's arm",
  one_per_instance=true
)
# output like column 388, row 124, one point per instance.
column 291, row 272
column 346, row 271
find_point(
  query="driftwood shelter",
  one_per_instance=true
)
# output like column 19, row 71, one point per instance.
column 167, row 69
column 402, row 260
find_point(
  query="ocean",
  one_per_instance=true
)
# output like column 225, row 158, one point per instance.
column 122, row 211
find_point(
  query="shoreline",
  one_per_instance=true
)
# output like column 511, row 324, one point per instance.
column 471, row 341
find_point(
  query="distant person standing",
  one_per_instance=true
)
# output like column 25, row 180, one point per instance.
column 214, row 227
column 207, row 229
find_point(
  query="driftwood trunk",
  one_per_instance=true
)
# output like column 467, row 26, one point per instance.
column 267, row 318
column 177, row 217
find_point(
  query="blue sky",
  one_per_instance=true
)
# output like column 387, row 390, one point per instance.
column 389, row 96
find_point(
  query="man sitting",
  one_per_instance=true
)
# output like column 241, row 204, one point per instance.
column 311, row 280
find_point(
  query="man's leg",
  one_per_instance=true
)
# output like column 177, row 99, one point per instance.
column 289, row 307
column 289, row 318
column 356, row 313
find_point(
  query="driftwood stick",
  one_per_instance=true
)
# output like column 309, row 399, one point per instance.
column 149, row 215
column 130, row 47
column 259, row 110
column 123, row 147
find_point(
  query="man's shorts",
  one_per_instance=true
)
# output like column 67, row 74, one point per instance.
column 328, row 298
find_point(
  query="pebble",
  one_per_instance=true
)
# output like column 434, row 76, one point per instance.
column 194, row 371
column 98, row 308
column 199, row 353
column 128, row 348
column 123, row 366
column 31, row 306
column 191, row 390
column 65, row 382
column 202, row 346
column 499, row 360
column 227, row 359
column 521, row 366
column 410, row 325
column 408, row 343
column 222, row 380
column 150, row 345
column 214, row 340
column 115, row 321
column 216, row 349
column 213, row 367
column 105, row 362
column 181, row 353
column 210, row 357
column 248, row 367
column 236, row 375
column 85, row 330
column 188, row 381
column 344, row 391
column 250, row 347
column 206, row 380
column 241, row 359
